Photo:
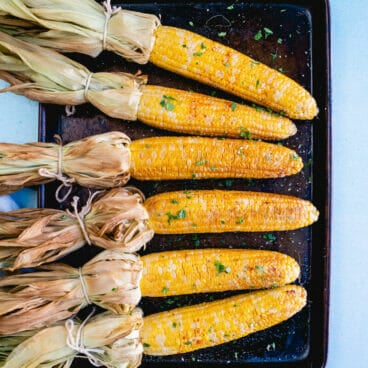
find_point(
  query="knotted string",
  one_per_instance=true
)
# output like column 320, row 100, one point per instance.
column 84, row 286
column 76, row 343
column 109, row 11
column 65, row 181
column 86, row 85
column 80, row 215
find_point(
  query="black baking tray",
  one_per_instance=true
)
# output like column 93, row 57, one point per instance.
column 303, row 54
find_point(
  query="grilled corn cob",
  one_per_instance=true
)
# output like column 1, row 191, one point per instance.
column 165, row 158
column 214, row 270
column 108, row 160
column 216, row 211
column 222, row 67
column 198, row 114
column 140, row 37
column 200, row 326
column 125, row 96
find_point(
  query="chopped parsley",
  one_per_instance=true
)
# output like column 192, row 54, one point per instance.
column 167, row 102
column 269, row 237
column 222, row 34
column 279, row 41
column 203, row 46
column 259, row 269
column 191, row 23
column 145, row 345
column 165, row 290
column 274, row 55
column 221, row 268
column 180, row 215
column 197, row 53
column 233, row 106
column 258, row 35
column 200, row 163
column 174, row 201
column 230, row 7
column 267, row 32
column 240, row 221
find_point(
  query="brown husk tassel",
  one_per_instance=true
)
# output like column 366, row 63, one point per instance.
column 106, row 339
column 31, row 237
column 99, row 161
column 37, row 299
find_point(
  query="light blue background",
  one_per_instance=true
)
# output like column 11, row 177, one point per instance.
column 349, row 295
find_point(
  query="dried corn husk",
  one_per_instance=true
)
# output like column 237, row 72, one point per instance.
column 110, row 340
column 99, row 161
column 49, row 77
column 82, row 26
column 38, row 299
column 30, row 237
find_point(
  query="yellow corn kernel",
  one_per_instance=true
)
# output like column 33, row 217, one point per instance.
column 194, row 56
column 168, row 158
column 214, row 270
column 217, row 211
column 198, row 114
column 204, row 325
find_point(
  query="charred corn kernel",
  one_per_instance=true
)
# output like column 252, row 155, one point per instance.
column 197, row 114
column 165, row 158
column 200, row 326
column 216, row 211
column 214, row 270
column 194, row 56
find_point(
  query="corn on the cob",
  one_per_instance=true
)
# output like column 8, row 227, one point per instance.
column 214, row 270
column 200, row 326
column 210, row 62
column 198, row 114
column 216, row 211
column 141, row 38
column 125, row 96
column 108, row 160
column 165, row 158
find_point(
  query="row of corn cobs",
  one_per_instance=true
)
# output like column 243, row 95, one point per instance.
column 122, row 221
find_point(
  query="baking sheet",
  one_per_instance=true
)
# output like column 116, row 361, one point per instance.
column 302, row 54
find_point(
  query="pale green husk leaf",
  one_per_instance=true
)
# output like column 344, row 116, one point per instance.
column 115, row 337
column 82, row 26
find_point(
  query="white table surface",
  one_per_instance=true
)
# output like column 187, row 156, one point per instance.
column 349, row 249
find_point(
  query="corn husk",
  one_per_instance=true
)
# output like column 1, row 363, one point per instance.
column 37, row 299
column 46, row 76
column 100, row 161
column 82, row 26
column 31, row 237
column 112, row 340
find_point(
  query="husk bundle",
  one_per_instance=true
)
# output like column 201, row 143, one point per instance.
column 38, row 299
column 99, row 161
column 111, row 340
column 49, row 77
column 30, row 237
column 82, row 26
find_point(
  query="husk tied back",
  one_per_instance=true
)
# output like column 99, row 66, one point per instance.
column 46, row 76
column 37, row 299
column 100, row 161
column 111, row 340
column 83, row 26
column 30, row 237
